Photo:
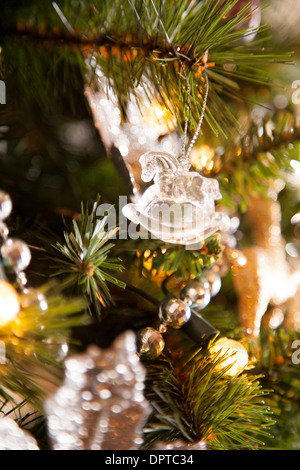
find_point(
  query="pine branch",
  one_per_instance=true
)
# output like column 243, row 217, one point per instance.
column 34, row 346
column 194, row 400
column 84, row 258
column 281, row 375
column 117, row 46
column 154, row 43
column 153, row 257
column 249, row 161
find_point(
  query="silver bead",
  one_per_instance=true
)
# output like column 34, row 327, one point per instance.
column 175, row 313
column 5, row 205
column 196, row 294
column 4, row 230
column 214, row 281
column 16, row 253
column 21, row 279
column 33, row 298
column 162, row 328
column 150, row 343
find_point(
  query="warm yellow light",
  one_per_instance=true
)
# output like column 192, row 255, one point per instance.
column 159, row 118
column 9, row 303
column 148, row 261
column 232, row 353
column 203, row 157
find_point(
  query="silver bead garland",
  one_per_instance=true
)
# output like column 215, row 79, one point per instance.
column 195, row 295
column 176, row 312
column 17, row 255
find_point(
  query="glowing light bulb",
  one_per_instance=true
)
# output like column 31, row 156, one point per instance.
column 9, row 303
column 232, row 353
column 203, row 157
column 159, row 118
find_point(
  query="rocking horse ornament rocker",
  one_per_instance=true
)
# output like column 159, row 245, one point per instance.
column 179, row 207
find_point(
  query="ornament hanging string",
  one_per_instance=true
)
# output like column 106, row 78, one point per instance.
column 171, row 174
column 16, row 255
column 184, row 159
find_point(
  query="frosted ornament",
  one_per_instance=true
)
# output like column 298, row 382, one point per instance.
column 13, row 437
column 180, row 206
column 100, row 404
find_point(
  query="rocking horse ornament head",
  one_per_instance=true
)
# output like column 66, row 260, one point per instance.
column 179, row 207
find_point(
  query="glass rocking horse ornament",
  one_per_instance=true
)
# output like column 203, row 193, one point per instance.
column 179, row 207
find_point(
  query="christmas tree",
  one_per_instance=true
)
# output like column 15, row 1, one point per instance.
column 149, row 225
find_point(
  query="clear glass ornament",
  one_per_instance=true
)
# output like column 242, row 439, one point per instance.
column 5, row 205
column 175, row 313
column 196, row 294
column 180, row 206
column 100, row 404
column 16, row 253
column 150, row 343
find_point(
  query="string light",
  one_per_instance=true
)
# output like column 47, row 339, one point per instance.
column 233, row 354
column 9, row 303
column 202, row 157
column 17, row 255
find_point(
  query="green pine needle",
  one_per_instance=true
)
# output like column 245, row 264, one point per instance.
column 85, row 257
column 250, row 160
column 167, row 258
column 35, row 344
column 226, row 412
column 145, row 43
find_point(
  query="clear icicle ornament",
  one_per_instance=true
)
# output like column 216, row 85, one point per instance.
column 179, row 207
column 141, row 132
